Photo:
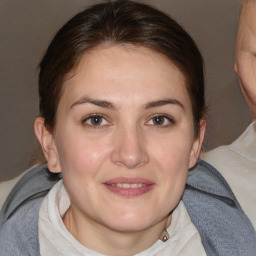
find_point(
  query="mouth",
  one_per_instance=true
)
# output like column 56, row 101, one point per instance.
column 128, row 187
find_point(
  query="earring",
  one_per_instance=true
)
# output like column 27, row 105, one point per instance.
column 164, row 236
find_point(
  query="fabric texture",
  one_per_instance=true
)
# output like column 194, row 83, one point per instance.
column 34, row 184
column 19, row 235
column 184, row 238
column 237, row 163
column 7, row 186
column 224, row 228
column 214, row 210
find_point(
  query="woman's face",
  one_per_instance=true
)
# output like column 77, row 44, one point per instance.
column 124, row 138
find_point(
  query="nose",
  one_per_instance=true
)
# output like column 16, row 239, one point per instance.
column 130, row 149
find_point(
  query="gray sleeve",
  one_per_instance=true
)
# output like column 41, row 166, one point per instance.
column 19, row 234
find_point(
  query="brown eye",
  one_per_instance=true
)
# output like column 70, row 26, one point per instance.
column 95, row 120
column 158, row 120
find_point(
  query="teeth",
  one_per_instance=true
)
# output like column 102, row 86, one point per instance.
column 126, row 185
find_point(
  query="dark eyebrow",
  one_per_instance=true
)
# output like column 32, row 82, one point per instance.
column 160, row 103
column 100, row 103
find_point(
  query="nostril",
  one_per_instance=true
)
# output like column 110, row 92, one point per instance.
column 130, row 158
column 129, row 150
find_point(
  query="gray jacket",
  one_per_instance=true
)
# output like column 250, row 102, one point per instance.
column 224, row 228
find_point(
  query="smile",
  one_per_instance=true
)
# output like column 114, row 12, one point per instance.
column 129, row 187
column 126, row 185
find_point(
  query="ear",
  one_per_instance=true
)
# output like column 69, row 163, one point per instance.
column 235, row 68
column 197, row 144
column 46, row 139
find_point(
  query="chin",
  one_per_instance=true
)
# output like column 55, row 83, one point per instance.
column 135, row 223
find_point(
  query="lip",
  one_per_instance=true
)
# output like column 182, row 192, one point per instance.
column 129, row 187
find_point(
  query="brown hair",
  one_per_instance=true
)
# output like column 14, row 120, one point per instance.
column 118, row 22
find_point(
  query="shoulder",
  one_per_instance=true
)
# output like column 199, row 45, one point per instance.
column 19, row 214
column 237, row 163
column 19, row 234
column 216, row 213
column 239, row 153
column 34, row 184
column 6, row 187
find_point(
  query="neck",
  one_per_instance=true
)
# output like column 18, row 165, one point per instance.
column 102, row 239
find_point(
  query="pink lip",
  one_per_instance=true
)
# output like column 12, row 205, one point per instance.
column 111, row 185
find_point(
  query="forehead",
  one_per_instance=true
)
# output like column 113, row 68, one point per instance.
column 114, row 71
column 123, row 55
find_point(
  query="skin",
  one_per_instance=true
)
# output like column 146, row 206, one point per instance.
column 245, row 57
column 131, row 88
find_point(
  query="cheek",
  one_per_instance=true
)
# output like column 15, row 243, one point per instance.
column 173, row 170
column 81, row 154
column 172, row 160
column 81, row 162
column 172, row 151
column 171, row 157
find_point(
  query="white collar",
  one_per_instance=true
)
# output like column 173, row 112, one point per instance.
column 55, row 239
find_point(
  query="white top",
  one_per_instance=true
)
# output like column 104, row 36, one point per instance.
column 56, row 240
column 237, row 163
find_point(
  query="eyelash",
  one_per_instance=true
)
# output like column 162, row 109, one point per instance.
column 167, row 118
column 101, row 118
column 90, row 117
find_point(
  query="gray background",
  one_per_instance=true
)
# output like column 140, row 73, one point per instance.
column 27, row 26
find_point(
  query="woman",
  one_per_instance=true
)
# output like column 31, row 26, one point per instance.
column 122, row 119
